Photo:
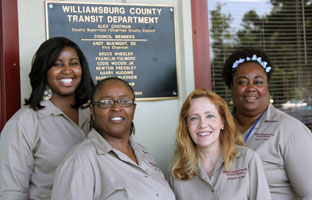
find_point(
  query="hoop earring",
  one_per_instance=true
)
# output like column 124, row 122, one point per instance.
column 47, row 93
column 132, row 128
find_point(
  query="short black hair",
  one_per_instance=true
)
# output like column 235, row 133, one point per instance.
column 101, row 82
column 243, row 52
column 44, row 59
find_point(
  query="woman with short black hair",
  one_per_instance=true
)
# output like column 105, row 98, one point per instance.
column 109, row 164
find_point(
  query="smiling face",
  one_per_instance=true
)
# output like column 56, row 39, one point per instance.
column 250, row 89
column 64, row 76
column 114, row 121
column 204, row 123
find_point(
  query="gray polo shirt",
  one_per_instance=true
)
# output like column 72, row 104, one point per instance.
column 32, row 144
column 245, row 181
column 284, row 145
column 95, row 170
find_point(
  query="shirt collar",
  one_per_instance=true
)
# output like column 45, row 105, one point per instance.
column 103, row 147
column 100, row 144
column 139, row 151
column 202, row 172
column 51, row 109
column 220, row 162
column 270, row 114
column 84, row 116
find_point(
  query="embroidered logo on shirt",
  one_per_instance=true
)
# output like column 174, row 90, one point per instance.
column 263, row 136
column 236, row 174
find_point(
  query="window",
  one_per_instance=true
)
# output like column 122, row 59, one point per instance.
column 283, row 29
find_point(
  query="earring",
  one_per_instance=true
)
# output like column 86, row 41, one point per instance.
column 132, row 128
column 222, row 129
column 47, row 93
column 231, row 102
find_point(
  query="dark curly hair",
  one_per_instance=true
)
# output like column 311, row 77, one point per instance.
column 44, row 59
column 228, row 72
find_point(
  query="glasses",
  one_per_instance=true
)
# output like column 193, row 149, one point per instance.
column 106, row 103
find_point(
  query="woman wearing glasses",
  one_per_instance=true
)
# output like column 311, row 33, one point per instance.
column 108, row 164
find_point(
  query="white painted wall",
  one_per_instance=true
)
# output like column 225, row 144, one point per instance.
column 155, row 121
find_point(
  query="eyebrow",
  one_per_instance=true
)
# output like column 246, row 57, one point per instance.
column 259, row 77
column 206, row 112
column 74, row 58
column 245, row 77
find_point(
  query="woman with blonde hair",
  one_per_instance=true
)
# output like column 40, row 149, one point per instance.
column 210, row 159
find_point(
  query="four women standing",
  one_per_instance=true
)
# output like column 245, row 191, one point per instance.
column 210, row 160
